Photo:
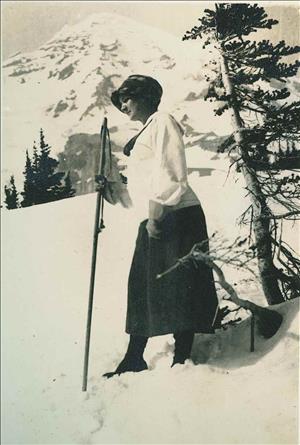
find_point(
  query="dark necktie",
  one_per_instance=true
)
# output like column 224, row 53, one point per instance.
column 130, row 144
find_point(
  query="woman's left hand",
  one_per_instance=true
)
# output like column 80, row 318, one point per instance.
column 153, row 229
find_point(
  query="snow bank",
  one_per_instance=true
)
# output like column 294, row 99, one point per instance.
column 233, row 396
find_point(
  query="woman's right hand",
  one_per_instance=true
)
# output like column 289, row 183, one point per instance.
column 153, row 229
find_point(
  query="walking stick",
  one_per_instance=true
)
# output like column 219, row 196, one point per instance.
column 97, row 229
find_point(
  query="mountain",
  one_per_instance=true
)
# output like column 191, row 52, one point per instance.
column 65, row 85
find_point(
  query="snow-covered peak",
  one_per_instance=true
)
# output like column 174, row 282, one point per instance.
column 65, row 85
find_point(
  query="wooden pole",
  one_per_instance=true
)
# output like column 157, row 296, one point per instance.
column 97, row 230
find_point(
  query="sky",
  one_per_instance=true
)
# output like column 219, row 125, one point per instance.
column 28, row 24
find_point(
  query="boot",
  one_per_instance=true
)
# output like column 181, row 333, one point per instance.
column 133, row 360
column 183, row 346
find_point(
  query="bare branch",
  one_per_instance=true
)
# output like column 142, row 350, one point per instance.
column 284, row 216
column 270, row 321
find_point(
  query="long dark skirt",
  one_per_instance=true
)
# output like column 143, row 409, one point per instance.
column 182, row 300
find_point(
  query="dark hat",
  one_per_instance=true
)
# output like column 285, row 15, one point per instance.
column 138, row 86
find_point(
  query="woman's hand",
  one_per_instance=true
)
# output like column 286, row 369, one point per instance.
column 153, row 228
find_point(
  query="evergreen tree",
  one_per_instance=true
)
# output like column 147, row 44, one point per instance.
column 242, row 76
column 29, row 191
column 11, row 195
column 47, row 179
column 42, row 183
column 67, row 191
column 35, row 162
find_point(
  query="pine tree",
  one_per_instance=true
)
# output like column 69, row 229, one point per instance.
column 29, row 191
column 11, row 195
column 242, row 74
column 42, row 183
column 47, row 179
column 67, row 191
column 35, row 162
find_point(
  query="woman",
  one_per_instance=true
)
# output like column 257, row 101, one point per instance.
column 185, row 301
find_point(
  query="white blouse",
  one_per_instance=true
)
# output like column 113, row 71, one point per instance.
column 157, row 169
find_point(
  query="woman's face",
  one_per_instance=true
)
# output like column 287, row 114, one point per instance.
column 135, row 109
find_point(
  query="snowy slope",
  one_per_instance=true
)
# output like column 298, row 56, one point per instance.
column 234, row 396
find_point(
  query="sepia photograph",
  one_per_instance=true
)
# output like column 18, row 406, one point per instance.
column 150, row 207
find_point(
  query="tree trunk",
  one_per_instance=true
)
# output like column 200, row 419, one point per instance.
column 261, row 212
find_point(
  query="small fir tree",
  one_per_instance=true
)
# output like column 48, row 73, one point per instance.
column 67, row 190
column 11, row 195
column 29, row 191
column 47, row 178
column 35, row 161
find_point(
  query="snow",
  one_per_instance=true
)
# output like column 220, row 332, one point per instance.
column 231, row 396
